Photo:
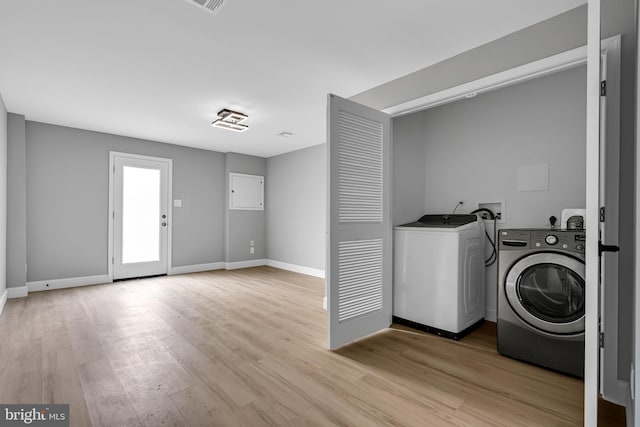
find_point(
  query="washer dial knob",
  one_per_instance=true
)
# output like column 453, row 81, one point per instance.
column 550, row 239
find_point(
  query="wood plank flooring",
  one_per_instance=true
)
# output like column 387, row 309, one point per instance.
column 247, row 348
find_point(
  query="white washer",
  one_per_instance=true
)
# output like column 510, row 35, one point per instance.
column 439, row 274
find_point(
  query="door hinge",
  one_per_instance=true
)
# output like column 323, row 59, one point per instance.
column 603, row 88
column 112, row 260
column 601, row 340
column 602, row 214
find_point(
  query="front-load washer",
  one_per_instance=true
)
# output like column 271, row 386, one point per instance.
column 541, row 297
column 439, row 274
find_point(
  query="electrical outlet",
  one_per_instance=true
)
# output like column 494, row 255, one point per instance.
column 252, row 250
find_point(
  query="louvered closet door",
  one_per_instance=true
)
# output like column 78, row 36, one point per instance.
column 359, row 260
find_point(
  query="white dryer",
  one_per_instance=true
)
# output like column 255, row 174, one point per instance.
column 439, row 274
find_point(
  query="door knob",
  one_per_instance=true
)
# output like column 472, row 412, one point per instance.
column 164, row 224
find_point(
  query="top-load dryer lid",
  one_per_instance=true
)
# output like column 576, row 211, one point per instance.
column 443, row 221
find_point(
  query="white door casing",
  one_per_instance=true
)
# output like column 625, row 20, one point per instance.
column 592, row 259
column 359, row 275
column 157, row 171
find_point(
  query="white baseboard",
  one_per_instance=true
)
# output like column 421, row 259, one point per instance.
column 17, row 292
column 3, row 300
column 629, row 410
column 245, row 264
column 296, row 268
column 196, row 268
column 46, row 285
column 618, row 393
column 490, row 315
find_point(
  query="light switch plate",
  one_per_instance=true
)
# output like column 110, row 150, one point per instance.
column 177, row 203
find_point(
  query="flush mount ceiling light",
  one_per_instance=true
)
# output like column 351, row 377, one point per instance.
column 212, row 6
column 285, row 134
column 231, row 120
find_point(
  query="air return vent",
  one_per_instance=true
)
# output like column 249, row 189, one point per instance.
column 212, row 6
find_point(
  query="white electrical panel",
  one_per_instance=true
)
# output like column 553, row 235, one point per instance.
column 246, row 192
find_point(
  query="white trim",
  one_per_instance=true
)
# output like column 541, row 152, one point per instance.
column 617, row 394
column 592, row 260
column 73, row 282
column 296, row 268
column 196, row 268
column 3, row 300
column 17, row 292
column 522, row 73
column 245, row 264
column 112, row 156
column 542, row 67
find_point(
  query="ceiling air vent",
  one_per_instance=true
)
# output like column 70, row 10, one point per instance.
column 212, row 6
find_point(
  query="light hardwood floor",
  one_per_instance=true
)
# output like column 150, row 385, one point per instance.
column 247, row 347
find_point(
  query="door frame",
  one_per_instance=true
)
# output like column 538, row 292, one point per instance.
column 110, row 212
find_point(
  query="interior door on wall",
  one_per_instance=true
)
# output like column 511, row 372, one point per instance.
column 610, row 387
column 140, row 216
column 359, row 276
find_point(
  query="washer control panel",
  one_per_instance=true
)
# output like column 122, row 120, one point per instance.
column 567, row 240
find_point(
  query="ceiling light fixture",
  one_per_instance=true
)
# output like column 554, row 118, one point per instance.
column 231, row 120
column 212, row 6
column 285, row 134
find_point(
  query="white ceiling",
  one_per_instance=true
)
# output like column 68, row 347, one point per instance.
column 161, row 69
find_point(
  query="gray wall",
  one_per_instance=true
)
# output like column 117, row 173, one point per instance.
column 3, row 196
column 409, row 153
column 474, row 147
column 16, row 202
column 244, row 226
column 558, row 34
column 67, row 200
column 296, row 194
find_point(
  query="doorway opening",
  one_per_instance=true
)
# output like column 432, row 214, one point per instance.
column 139, row 216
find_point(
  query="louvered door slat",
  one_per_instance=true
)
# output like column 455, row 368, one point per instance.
column 360, row 169
column 360, row 278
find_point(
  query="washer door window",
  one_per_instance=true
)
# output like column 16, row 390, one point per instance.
column 547, row 291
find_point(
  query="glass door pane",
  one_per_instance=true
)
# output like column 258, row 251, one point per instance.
column 140, row 215
column 552, row 292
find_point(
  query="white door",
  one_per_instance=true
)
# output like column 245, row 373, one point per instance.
column 611, row 388
column 359, row 292
column 140, row 215
column 592, row 246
